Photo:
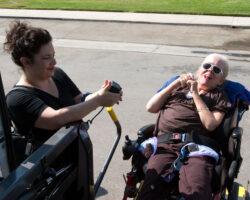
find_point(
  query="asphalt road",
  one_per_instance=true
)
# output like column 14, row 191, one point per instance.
column 91, row 52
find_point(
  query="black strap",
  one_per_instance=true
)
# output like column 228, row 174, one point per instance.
column 157, row 124
column 169, row 138
column 207, row 141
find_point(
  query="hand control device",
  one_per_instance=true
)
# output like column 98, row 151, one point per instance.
column 115, row 87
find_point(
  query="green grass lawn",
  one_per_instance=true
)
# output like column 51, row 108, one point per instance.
column 210, row 7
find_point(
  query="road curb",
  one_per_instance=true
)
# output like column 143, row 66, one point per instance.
column 127, row 21
column 125, row 17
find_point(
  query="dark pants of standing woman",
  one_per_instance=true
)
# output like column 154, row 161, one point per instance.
column 195, row 175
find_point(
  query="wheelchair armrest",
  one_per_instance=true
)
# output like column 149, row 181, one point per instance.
column 130, row 146
column 235, row 155
column 146, row 131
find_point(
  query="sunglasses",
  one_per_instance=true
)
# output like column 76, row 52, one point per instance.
column 215, row 69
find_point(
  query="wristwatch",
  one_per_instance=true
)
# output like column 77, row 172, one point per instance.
column 84, row 96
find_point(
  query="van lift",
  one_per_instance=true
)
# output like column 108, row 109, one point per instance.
column 62, row 168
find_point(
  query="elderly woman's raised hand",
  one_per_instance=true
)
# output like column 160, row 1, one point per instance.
column 107, row 98
column 193, row 85
column 188, row 80
column 184, row 78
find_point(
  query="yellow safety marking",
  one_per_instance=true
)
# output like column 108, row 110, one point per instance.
column 139, row 189
column 112, row 114
column 242, row 192
column 91, row 188
column 91, row 192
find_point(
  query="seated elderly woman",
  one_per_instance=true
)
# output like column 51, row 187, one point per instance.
column 188, row 105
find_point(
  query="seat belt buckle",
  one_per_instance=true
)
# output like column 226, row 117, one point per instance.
column 175, row 137
column 178, row 137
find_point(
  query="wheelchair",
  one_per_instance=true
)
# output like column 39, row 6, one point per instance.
column 228, row 135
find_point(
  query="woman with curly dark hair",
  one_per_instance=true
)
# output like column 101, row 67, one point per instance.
column 45, row 98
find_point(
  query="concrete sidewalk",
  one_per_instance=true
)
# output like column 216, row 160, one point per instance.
column 201, row 20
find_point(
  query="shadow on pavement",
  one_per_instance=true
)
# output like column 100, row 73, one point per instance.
column 101, row 192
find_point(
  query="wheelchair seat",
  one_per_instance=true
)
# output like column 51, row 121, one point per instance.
column 228, row 135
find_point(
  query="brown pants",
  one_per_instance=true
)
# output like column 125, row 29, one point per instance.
column 194, row 177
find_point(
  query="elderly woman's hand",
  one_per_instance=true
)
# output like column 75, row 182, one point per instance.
column 193, row 85
column 184, row 78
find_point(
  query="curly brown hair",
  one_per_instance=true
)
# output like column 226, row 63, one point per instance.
column 23, row 40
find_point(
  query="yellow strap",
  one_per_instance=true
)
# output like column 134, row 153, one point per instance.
column 112, row 114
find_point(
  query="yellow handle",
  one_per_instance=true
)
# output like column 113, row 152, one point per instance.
column 112, row 114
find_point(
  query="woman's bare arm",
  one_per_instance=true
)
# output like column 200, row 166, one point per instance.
column 53, row 119
column 157, row 101
column 210, row 120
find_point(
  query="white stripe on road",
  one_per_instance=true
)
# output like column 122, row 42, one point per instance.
column 146, row 48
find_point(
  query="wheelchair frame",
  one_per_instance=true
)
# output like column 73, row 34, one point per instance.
column 225, row 172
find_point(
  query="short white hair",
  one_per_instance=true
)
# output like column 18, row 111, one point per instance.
column 224, row 61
